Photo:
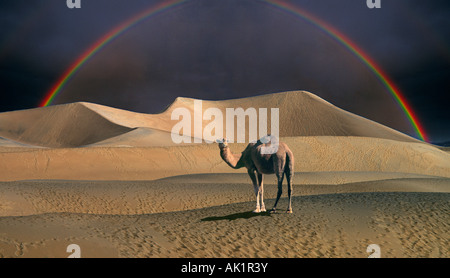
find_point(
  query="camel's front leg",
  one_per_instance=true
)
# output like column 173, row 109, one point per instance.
column 261, row 192
column 252, row 175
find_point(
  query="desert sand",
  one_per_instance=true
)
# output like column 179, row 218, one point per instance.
column 113, row 182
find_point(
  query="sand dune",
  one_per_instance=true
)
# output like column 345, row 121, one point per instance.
column 304, row 114
column 109, row 133
column 80, row 124
column 313, row 154
column 68, row 125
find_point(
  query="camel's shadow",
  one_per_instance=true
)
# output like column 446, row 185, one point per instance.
column 234, row 216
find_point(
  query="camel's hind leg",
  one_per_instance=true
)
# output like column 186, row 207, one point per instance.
column 280, row 178
column 289, row 170
column 279, row 163
column 289, row 180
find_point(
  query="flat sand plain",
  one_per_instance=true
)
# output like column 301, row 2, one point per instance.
column 182, row 217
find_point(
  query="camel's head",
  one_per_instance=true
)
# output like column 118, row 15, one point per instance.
column 223, row 143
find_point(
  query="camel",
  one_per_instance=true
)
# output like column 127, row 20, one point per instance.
column 278, row 162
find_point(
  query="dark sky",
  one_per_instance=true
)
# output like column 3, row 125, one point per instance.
column 220, row 49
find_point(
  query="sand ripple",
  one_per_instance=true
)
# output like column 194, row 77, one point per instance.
column 331, row 225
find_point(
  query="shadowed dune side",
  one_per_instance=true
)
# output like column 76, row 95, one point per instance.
column 445, row 149
column 310, row 178
column 7, row 143
column 139, row 137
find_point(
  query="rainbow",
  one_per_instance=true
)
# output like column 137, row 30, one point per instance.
column 287, row 7
column 360, row 54
column 102, row 42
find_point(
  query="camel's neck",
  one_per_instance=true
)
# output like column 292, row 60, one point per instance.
column 233, row 160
